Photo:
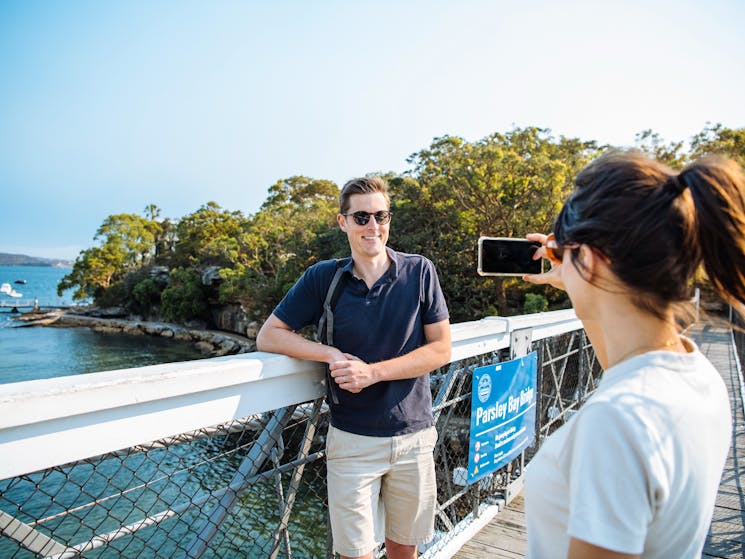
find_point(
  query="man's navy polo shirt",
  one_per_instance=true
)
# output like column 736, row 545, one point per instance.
column 375, row 324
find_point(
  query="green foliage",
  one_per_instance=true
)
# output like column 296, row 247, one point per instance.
column 127, row 242
column 491, row 310
column 535, row 302
column 208, row 237
column 715, row 138
column 294, row 228
column 506, row 184
column 115, row 296
column 185, row 298
column 146, row 296
column 671, row 154
column 92, row 273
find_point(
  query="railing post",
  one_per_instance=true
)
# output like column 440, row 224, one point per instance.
column 310, row 431
column 256, row 457
column 521, row 343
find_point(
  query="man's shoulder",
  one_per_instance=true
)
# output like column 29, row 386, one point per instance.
column 322, row 272
column 409, row 262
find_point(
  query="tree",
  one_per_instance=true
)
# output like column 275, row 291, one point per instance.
column 504, row 185
column 671, row 154
column 127, row 242
column 292, row 230
column 209, row 236
column 185, row 298
column 715, row 138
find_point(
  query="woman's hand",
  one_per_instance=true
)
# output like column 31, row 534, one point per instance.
column 553, row 276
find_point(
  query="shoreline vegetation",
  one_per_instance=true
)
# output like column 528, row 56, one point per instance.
column 227, row 271
column 7, row 259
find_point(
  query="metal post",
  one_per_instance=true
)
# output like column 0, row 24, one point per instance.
column 251, row 464
column 583, row 374
column 310, row 431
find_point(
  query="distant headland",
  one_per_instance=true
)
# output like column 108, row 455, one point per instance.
column 24, row 260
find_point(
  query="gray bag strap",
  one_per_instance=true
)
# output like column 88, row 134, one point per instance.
column 328, row 312
column 325, row 330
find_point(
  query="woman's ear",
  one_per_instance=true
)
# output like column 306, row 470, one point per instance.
column 588, row 261
column 595, row 265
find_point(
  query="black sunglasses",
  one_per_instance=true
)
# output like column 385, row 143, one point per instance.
column 362, row 218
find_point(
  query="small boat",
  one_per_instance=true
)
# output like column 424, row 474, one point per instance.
column 20, row 281
column 37, row 319
column 5, row 288
column 14, row 293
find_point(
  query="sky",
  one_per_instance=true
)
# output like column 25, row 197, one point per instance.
column 107, row 107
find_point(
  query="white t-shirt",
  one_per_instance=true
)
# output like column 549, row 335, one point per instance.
column 637, row 469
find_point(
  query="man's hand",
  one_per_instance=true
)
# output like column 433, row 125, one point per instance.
column 352, row 373
column 553, row 276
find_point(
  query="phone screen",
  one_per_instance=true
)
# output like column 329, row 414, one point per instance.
column 501, row 256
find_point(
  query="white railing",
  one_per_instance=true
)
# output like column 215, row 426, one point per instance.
column 46, row 424
column 50, row 422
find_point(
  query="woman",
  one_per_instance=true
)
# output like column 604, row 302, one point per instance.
column 635, row 472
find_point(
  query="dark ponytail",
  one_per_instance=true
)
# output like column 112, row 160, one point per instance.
column 656, row 226
column 717, row 187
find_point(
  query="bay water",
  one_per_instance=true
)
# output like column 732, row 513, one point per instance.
column 28, row 353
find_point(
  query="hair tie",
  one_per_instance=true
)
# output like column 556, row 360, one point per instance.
column 675, row 185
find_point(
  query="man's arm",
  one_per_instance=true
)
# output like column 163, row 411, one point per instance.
column 354, row 375
column 276, row 336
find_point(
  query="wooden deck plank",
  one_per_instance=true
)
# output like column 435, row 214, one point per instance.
column 726, row 537
column 505, row 536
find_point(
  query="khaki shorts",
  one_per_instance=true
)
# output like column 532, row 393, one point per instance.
column 380, row 485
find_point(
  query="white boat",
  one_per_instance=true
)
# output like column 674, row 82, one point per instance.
column 9, row 291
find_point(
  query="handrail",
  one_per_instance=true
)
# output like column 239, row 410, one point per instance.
column 50, row 422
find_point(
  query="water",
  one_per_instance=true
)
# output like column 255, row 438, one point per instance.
column 45, row 352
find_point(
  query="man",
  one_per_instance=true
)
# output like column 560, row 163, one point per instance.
column 391, row 328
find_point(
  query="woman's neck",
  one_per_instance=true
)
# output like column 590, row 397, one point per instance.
column 633, row 332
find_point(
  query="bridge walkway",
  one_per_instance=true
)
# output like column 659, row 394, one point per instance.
column 505, row 536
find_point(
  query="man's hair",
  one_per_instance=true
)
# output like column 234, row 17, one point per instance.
column 362, row 185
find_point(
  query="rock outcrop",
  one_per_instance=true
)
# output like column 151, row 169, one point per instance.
column 210, row 343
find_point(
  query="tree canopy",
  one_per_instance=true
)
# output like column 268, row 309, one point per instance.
column 506, row 184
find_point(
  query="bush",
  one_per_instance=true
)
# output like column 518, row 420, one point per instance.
column 491, row 310
column 115, row 295
column 185, row 298
column 145, row 297
column 534, row 303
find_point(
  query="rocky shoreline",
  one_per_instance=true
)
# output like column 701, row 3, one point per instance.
column 211, row 343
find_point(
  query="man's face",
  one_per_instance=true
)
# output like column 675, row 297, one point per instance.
column 365, row 240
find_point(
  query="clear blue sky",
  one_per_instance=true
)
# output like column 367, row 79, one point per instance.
column 106, row 107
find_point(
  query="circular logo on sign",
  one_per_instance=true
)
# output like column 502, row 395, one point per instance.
column 484, row 388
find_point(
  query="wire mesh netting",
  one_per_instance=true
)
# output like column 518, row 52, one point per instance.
column 255, row 487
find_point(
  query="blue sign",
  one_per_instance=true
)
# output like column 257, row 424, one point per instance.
column 503, row 407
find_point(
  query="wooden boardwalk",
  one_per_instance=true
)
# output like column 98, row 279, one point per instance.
column 505, row 536
column 727, row 534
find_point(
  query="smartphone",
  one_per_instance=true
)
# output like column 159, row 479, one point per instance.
column 502, row 256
